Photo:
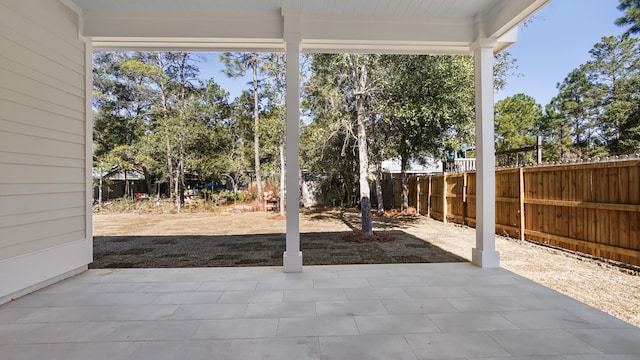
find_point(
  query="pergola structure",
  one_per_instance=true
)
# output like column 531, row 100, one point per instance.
column 46, row 87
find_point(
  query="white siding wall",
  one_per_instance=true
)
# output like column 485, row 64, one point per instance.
column 43, row 136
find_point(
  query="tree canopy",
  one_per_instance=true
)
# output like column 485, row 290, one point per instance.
column 631, row 17
column 156, row 113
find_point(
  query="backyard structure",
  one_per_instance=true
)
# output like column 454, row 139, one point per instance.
column 47, row 83
column 117, row 184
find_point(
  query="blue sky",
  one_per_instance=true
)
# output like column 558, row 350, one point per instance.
column 557, row 41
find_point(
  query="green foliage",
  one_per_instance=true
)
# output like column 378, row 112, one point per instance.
column 154, row 114
column 614, row 70
column 267, row 89
column 328, row 142
column 557, row 134
column 599, row 100
column 631, row 17
column 575, row 104
column 517, row 119
column 630, row 140
column 428, row 103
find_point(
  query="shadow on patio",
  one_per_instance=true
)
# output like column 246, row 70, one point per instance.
column 319, row 248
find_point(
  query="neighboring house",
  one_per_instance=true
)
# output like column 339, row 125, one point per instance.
column 392, row 169
column 114, row 184
column 423, row 166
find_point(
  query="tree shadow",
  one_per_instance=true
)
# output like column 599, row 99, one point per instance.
column 319, row 248
column 352, row 219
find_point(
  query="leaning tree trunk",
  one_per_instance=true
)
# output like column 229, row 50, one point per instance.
column 365, row 201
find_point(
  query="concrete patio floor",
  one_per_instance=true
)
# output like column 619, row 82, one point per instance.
column 405, row 311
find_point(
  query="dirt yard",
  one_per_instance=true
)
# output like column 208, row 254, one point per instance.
column 257, row 239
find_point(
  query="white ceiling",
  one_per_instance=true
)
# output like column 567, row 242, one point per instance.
column 445, row 8
column 400, row 26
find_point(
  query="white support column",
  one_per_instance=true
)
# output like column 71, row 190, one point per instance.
column 485, row 254
column 292, row 257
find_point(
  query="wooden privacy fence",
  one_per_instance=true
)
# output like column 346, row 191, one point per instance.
column 592, row 208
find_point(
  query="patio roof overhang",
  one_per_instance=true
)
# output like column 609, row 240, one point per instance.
column 372, row 26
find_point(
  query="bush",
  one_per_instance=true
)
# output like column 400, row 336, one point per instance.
column 229, row 197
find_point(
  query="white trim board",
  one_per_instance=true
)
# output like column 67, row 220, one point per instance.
column 27, row 273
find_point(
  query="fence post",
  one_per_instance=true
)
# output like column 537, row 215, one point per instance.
column 521, row 202
column 464, row 198
column 417, row 195
column 444, row 198
column 429, row 197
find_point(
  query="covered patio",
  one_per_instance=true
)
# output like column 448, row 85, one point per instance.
column 46, row 150
column 417, row 311
column 46, row 97
column 411, row 311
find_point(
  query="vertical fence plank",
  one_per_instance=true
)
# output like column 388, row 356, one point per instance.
column 623, row 219
column 549, row 192
column 429, row 197
column 444, row 197
column 464, row 198
column 418, row 195
column 521, row 188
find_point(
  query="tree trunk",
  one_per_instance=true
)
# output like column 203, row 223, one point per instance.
column 359, row 78
column 176, row 190
column 405, row 188
column 282, row 178
column 172, row 192
column 100, row 189
column 181, row 166
column 180, row 177
column 378, row 156
column 163, row 98
column 126, row 185
column 379, row 193
column 363, row 156
column 256, row 138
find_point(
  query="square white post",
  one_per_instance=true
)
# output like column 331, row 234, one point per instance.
column 292, row 257
column 485, row 254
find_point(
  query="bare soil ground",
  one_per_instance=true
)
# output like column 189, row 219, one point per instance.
column 257, row 239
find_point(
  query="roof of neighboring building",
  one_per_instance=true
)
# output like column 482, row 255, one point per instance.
column 111, row 175
column 425, row 165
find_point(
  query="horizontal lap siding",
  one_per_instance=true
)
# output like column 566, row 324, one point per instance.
column 42, row 128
